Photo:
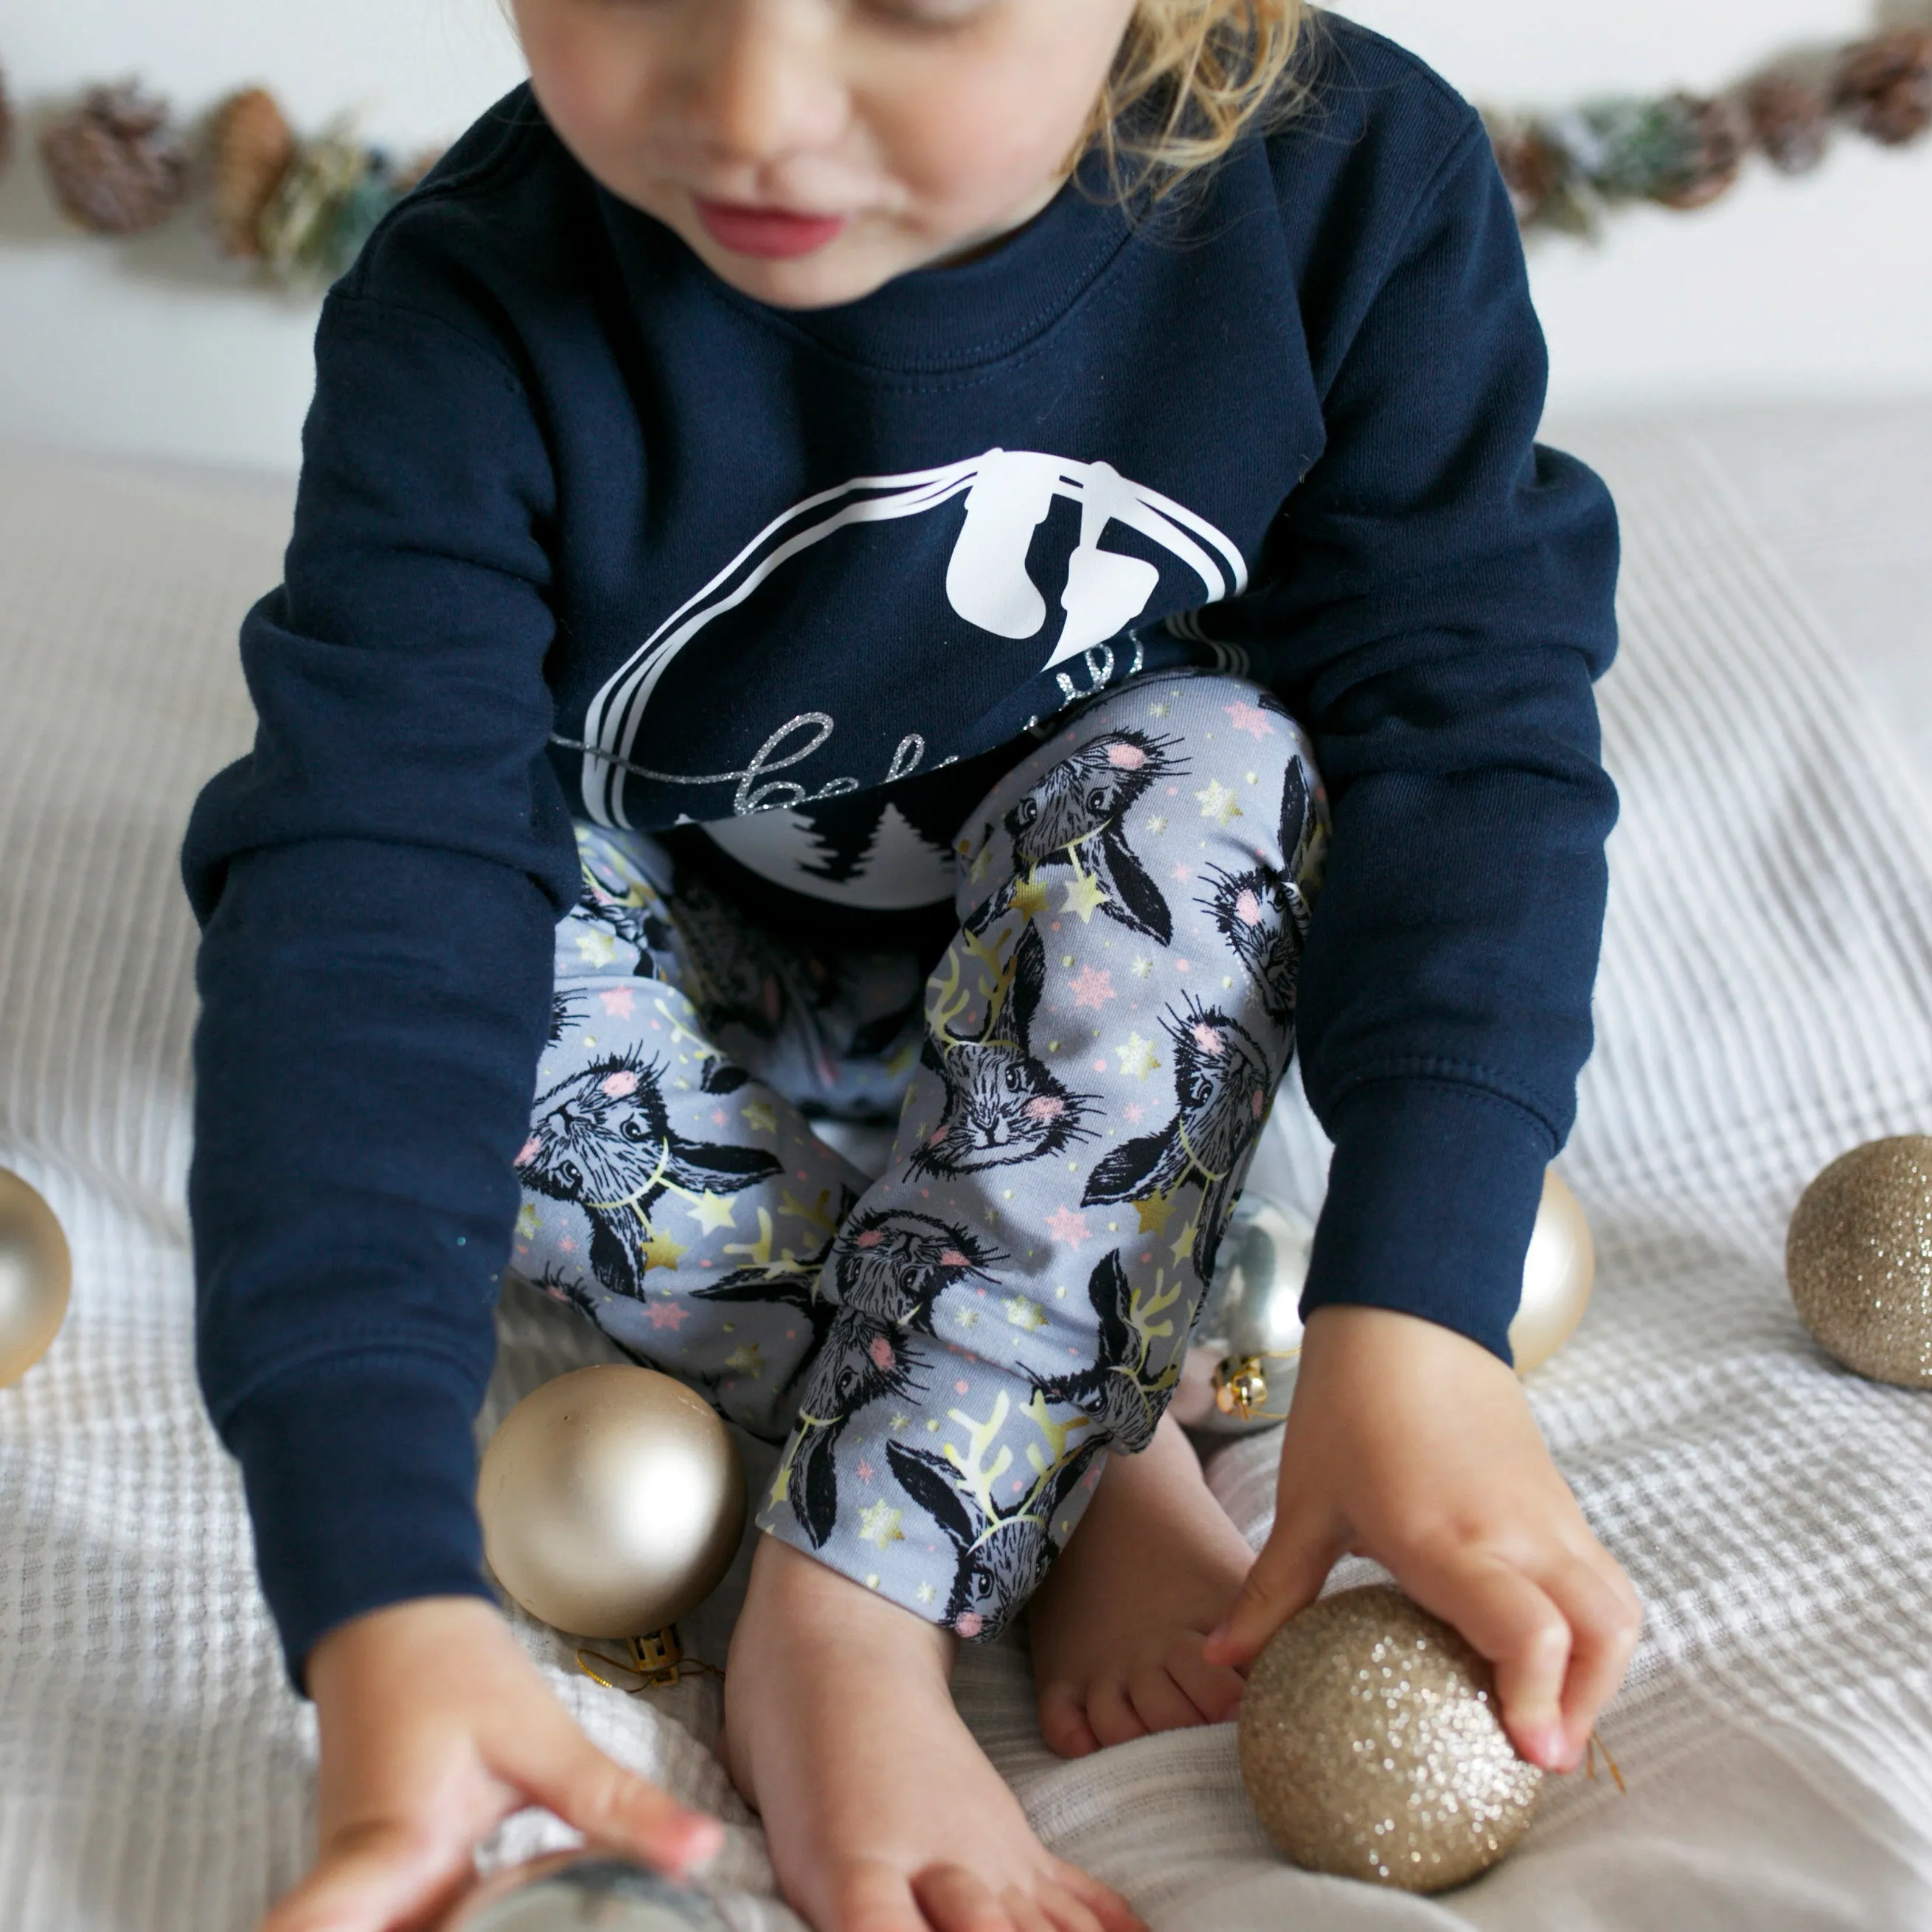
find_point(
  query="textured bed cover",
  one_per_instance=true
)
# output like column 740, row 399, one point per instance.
column 1766, row 1002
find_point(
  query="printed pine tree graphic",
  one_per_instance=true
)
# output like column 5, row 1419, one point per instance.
column 899, row 866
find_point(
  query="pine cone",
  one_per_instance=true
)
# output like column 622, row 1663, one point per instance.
column 1712, row 138
column 1884, row 86
column 1790, row 121
column 253, row 146
column 1529, row 168
column 116, row 164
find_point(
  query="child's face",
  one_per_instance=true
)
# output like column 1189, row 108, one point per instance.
column 809, row 151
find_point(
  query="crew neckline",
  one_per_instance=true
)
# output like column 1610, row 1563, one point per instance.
column 955, row 316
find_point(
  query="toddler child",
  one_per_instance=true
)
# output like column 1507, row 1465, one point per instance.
column 972, row 564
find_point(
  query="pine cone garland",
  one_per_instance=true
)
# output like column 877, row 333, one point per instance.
column 1711, row 139
column 1884, row 86
column 1790, row 122
column 252, row 147
column 1528, row 166
column 116, row 164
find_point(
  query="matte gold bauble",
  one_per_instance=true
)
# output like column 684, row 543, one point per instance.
column 36, row 1277
column 612, row 1501
column 1557, row 1274
column 1858, row 1257
column 1372, row 1747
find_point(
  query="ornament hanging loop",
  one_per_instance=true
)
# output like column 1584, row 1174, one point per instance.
column 1241, row 1386
column 656, row 1659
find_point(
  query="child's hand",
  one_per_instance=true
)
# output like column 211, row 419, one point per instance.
column 435, row 1725
column 1410, row 1443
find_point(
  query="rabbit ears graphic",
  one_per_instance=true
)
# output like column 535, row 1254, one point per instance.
column 1008, row 494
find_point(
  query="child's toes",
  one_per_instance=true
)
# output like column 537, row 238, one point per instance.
column 1111, row 1713
column 1159, row 1703
column 1063, row 1721
column 1214, row 1690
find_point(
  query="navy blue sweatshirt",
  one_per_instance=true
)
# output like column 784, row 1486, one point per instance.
column 583, row 532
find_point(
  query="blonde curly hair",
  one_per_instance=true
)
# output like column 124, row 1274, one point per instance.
column 1191, row 77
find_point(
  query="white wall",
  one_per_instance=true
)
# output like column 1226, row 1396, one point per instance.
column 1819, row 287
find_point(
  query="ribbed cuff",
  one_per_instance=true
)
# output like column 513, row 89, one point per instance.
column 361, row 1474
column 1432, row 1192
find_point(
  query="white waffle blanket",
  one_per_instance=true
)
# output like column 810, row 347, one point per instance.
column 1766, row 1002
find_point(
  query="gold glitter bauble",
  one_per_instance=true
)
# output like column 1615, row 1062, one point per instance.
column 1557, row 1273
column 612, row 1500
column 1371, row 1746
column 36, row 1276
column 1858, row 1257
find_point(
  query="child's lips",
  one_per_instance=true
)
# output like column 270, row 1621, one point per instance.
column 769, row 232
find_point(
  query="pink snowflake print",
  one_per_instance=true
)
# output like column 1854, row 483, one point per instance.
column 1181, row 875
column 1125, row 757
column 1248, row 908
column 960, row 1388
column 619, row 1002
column 1064, row 1225
column 668, row 1315
column 1210, row 1041
column 619, row 1085
column 1250, row 718
column 864, row 1471
column 1091, row 987
column 1134, row 1110
column 566, row 1245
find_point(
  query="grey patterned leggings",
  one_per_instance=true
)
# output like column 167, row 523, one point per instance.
column 948, row 1351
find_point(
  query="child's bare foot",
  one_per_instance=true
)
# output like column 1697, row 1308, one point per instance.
column 882, row 1813
column 1118, row 1625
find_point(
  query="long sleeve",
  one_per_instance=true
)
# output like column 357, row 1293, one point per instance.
column 378, row 883
column 1441, row 598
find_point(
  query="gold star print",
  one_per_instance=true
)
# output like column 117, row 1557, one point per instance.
column 596, row 948
column 744, row 1359
column 1030, row 896
column 527, row 1220
column 1185, row 1239
column 879, row 1522
column 1086, row 895
column 761, row 1116
column 710, row 1211
column 1138, row 1057
column 1219, row 803
column 1158, row 823
column 661, row 1251
column 1156, row 1211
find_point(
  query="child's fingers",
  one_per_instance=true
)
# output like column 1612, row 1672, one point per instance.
column 1604, row 1617
column 1515, row 1623
column 1286, row 1576
column 560, row 1768
column 370, row 1878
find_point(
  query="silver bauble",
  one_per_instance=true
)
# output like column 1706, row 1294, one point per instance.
column 612, row 1501
column 1248, row 1336
column 36, row 1277
column 1557, row 1274
column 1240, row 1368
column 575, row 1891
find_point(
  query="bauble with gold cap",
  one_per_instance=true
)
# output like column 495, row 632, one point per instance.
column 613, row 1500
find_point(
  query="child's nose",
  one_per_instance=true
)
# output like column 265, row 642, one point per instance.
column 765, row 79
